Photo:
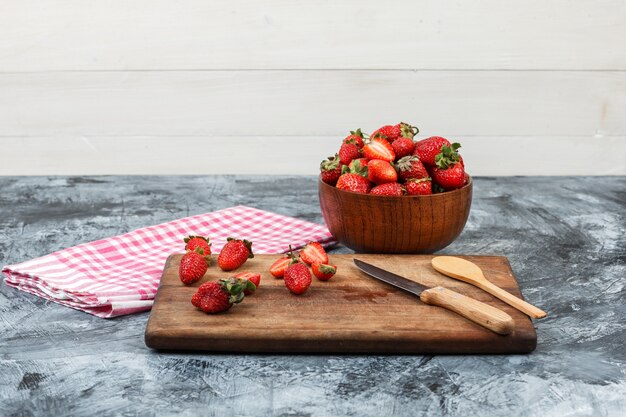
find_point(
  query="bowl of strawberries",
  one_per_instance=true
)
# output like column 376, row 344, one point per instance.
column 387, row 192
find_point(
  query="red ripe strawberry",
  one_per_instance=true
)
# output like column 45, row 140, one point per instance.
column 330, row 170
column 297, row 278
column 355, row 137
column 449, row 178
column 411, row 167
column 193, row 266
column 215, row 297
column 419, row 186
column 388, row 132
column 403, row 147
column 323, row 272
column 427, row 149
column 378, row 148
column 313, row 252
column 358, row 166
column 448, row 156
column 234, row 254
column 193, row 242
column 391, row 133
column 253, row 278
column 279, row 267
column 348, row 152
column 388, row 189
column 354, row 182
column 381, row 172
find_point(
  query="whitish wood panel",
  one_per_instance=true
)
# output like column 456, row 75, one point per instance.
column 310, row 103
column 43, row 35
column 292, row 155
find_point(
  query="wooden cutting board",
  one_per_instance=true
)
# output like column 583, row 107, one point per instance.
column 351, row 313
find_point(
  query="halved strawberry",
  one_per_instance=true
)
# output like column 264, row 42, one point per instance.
column 378, row 148
column 253, row 278
column 323, row 272
column 313, row 252
column 279, row 267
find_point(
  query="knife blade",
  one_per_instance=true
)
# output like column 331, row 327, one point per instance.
column 480, row 313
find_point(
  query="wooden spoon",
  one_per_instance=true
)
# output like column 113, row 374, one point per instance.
column 471, row 273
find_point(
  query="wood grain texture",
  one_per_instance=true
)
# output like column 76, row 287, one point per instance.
column 309, row 103
column 350, row 313
column 407, row 224
column 55, row 35
column 98, row 155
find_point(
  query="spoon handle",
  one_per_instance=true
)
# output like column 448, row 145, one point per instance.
column 511, row 300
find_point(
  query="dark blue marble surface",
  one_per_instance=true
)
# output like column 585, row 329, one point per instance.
column 565, row 238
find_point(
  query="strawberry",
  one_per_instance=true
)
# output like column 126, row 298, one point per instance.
column 354, row 182
column 410, row 167
column 419, row 186
column 355, row 137
column 449, row 172
column 388, row 132
column 381, row 172
column 193, row 266
column 388, row 189
column 358, row 166
column 391, row 133
column 193, row 242
column 215, row 297
column 234, row 254
column 313, row 252
column 297, row 278
column 279, row 267
column 378, row 148
column 449, row 178
column 323, row 272
column 252, row 277
column 448, row 156
column 330, row 170
column 348, row 152
column 403, row 147
column 427, row 149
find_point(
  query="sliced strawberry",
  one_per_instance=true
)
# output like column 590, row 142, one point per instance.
column 253, row 278
column 323, row 272
column 313, row 252
column 378, row 148
column 279, row 267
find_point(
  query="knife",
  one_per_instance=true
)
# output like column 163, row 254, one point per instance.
column 480, row 313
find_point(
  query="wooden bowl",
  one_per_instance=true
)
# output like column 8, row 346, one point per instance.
column 408, row 224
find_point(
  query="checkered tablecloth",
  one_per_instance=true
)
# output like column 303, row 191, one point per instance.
column 120, row 275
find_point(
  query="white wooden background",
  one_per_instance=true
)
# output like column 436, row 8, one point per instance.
column 271, row 86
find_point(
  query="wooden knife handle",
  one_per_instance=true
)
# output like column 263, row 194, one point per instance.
column 480, row 313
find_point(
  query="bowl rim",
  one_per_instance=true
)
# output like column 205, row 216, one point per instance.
column 449, row 193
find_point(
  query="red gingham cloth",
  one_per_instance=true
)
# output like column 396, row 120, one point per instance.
column 120, row 275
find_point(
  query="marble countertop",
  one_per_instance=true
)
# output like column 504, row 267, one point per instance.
column 564, row 236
